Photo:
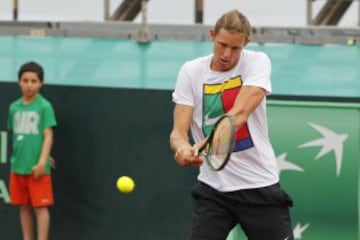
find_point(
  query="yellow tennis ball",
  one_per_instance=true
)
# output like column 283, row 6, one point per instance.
column 125, row 184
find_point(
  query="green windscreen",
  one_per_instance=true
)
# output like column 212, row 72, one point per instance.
column 309, row 70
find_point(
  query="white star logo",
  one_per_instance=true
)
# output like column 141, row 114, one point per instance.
column 284, row 164
column 298, row 230
column 330, row 142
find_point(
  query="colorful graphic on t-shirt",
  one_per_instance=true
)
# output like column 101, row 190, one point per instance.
column 218, row 100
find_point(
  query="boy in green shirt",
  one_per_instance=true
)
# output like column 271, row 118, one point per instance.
column 31, row 119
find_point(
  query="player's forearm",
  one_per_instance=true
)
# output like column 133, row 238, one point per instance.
column 239, row 112
column 238, row 117
column 245, row 103
column 178, row 140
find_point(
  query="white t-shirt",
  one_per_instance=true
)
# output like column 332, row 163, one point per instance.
column 211, row 94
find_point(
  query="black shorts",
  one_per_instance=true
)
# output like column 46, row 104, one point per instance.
column 262, row 213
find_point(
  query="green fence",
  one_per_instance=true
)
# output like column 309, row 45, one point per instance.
column 308, row 70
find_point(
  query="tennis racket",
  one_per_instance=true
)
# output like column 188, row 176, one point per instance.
column 220, row 143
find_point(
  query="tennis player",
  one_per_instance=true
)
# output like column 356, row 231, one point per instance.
column 234, row 81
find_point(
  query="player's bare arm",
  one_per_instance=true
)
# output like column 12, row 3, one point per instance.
column 39, row 169
column 179, row 137
column 246, row 101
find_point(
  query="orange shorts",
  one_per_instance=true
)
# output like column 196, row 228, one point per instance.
column 26, row 190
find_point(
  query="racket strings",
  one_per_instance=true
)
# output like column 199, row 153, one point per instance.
column 221, row 144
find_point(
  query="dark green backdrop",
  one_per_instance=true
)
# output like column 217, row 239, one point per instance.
column 103, row 134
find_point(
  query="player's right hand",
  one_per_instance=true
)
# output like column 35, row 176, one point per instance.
column 187, row 156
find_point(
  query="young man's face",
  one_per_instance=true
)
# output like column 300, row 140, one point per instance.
column 227, row 49
column 30, row 85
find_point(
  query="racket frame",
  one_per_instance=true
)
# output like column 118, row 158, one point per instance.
column 204, row 150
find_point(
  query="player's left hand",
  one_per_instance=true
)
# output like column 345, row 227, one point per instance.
column 198, row 145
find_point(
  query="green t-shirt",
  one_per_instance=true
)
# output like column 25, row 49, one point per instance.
column 27, row 123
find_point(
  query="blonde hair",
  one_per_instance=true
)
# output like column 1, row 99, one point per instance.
column 234, row 22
